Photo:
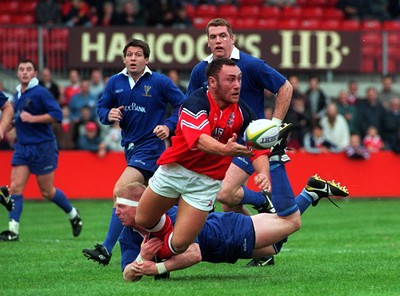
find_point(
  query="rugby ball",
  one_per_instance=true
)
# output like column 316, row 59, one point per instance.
column 261, row 134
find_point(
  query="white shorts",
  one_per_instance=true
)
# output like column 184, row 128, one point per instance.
column 174, row 181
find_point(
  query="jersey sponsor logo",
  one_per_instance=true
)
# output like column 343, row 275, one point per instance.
column 146, row 91
column 117, row 91
column 231, row 119
column 217, row 133
column 135, row 107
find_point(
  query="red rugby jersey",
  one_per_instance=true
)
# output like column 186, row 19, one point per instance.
column 201, row 115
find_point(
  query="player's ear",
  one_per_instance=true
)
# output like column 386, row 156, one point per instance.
column 212, row 81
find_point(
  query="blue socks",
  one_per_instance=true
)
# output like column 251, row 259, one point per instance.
column 303, row 201
column 114, row 230
column 251, row 197
column 15, row 214
column 61, row 200
column 283, row 196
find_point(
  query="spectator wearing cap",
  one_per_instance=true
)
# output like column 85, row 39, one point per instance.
column 91, row 139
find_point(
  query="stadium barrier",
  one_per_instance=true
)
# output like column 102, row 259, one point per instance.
column 82, row 175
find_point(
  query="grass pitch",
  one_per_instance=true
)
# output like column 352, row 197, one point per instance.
column 349, row 251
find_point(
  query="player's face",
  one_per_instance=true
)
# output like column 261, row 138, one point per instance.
column 220, row 42
column 26, row 72
column 135, row 61
column 228, row 84
column 126, row 214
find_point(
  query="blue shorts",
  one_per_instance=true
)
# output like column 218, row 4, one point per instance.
column 144, row 156
column 40, row 158
column 226, row 237
column 244, row 163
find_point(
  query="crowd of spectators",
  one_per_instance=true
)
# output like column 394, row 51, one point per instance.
column 172, row 13
column 90, row 13
column 351, row 123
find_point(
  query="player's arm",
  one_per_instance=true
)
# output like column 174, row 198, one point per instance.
column 282, row 103
column 210, row 145
column 106, row 103
column 6, row 118
column 43, row 118
column 189, row 258
column 134, row 250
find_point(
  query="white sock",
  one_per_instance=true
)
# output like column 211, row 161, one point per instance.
column 73, row 213
column 13, row 226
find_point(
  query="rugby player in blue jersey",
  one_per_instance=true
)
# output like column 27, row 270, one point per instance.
column 225, row 237
column 137, row 98
column 36, row 150
column 257, row 76
column 7, row 114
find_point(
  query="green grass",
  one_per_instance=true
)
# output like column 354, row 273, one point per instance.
column 349, row 251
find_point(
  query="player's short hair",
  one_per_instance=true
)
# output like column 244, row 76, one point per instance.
column 219, row 22
column 23, row 61
column 132, row 191
column 137, row 43
column 215, row 66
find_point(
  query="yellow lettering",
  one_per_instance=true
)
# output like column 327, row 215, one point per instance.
column 117, row 44
column 97, row 47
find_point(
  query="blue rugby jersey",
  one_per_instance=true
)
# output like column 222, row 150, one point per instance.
column 257, row 75
column 3, row 99
column 36, row 100
column 145, row 104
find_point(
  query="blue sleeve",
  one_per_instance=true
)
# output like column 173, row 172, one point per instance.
column 267, row 77
column 175, row 97
column 3, row 99
column 52, row 106
column 129, row 242
column 106, row 102
column 197, row 78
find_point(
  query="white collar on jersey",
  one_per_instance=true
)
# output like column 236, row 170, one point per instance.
column 131, row 81
column 34, row 81
column 234, row 55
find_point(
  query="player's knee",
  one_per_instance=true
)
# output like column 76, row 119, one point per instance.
column 295, row 224
column 179, row 246
column 48, row 193
column 227, row 197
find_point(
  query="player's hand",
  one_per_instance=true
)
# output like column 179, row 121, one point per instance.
column 115, row 114
column 145, row 268
column 26, row 116
column 150, row 247
column 233, row 148
column 262, row 181
column 161, row 131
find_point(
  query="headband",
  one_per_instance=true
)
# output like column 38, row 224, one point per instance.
column 128, row 202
